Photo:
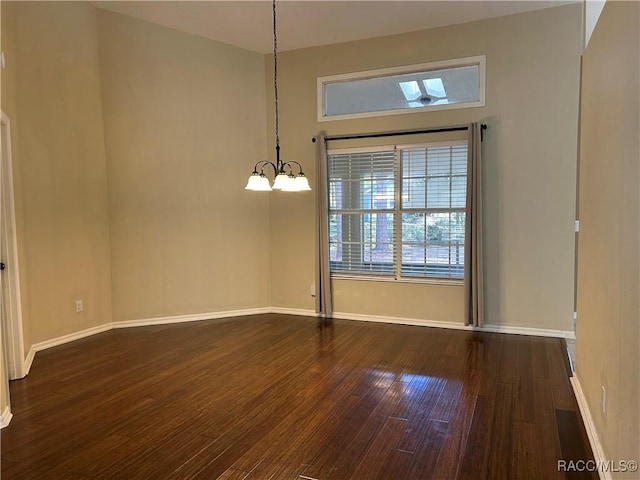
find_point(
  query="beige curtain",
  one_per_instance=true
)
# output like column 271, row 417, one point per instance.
column 473, row 273
column 324, row 303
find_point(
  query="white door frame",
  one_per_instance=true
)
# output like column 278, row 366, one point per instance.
column 9, row 256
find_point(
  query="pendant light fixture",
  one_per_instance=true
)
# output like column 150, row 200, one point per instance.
column 285, row 179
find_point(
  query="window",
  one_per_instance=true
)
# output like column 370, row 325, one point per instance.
column 398, row 211
column 449, row 84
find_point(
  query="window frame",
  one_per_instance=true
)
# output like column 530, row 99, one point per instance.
column 396, row 276
column 479, row 60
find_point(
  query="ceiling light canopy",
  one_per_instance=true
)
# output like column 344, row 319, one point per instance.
column 285, row 178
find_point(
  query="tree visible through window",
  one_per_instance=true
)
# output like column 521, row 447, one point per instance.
column 398, row 211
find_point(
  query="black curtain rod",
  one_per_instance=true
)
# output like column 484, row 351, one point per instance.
column 483, row 127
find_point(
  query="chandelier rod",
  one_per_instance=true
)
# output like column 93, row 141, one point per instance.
column 289, row 182
column 275, row 86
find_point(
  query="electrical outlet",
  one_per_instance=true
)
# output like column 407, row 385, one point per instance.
column 312, row 290
column 603, row 400
column 79, row 306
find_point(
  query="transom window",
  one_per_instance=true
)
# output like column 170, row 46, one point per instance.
column 398, row 211
column 458, row 83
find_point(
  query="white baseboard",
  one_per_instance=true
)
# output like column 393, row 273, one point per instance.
column 6, row 417
column 399, row 320
column 29, row 360
column 190, row 318
column 537, row 332
column 54, row 342
column 592, row 433
column 293, row 311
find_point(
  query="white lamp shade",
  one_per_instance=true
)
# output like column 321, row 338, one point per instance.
column 258, row 182
column 281, row 182
column 301, row 183
column 291, row 185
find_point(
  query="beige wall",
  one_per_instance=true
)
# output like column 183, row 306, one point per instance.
column 608, row 330
column 529, row 166
column 4, row 384
column 9, row 107
column 4, row 391
column 53, row 101
column 4, row 380
column 185, row 121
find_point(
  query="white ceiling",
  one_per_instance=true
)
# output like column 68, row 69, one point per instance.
column 306, row 23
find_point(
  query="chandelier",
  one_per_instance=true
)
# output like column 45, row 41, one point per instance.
column 285, row 179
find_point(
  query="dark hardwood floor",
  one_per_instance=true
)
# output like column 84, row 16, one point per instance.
column 284, row 397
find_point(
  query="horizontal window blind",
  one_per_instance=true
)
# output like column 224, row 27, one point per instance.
column 434, row 184
column 398, row 211
column 362, row 191
column 434, row 177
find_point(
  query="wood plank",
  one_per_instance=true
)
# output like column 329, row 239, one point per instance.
column 539, row 358
column 428, row 448
column 525, row 410
column 492, row 362
column 571, row 444
column 397, row 465
column 232, row 474
column 453, row 449
column 500, row 465
column 563, row 397
column 380, row 449
column 475, row 460
column 547, row 443
column 524, row 452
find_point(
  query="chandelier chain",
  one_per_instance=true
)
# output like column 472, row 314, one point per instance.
column 275, row 71
column 285, row 181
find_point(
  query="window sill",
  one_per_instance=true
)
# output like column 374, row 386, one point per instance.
column 374, row 278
